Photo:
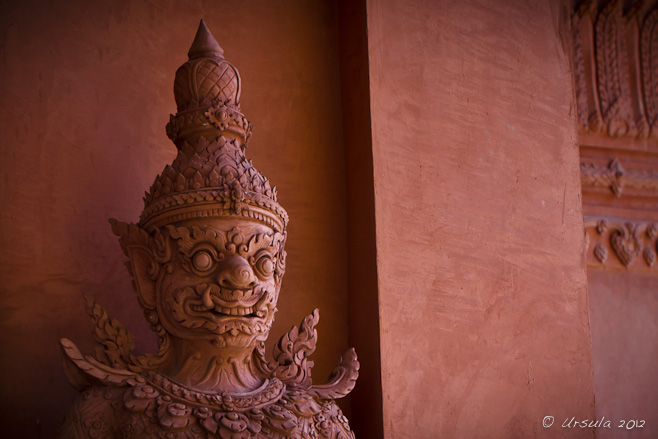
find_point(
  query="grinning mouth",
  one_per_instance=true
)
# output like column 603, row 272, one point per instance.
column 221, row 310
column 233, row 311
column 228, row 302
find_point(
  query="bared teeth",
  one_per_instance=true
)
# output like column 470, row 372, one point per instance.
column 229, row 302
column 233, row 311
column 245, row 311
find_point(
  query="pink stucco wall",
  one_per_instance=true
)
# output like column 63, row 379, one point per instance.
column 623, row 310
column 482, row 282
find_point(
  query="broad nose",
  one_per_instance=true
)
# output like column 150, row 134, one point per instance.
column 236, row 273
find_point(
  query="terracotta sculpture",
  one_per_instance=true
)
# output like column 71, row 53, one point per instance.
column 207, row 258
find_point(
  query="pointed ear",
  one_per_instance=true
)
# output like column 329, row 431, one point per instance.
column 137, row 245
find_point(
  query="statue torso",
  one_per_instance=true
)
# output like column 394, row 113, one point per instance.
column 126, row 400
column 153, row 407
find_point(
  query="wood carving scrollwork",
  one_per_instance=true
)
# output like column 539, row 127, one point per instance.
column 625, row 240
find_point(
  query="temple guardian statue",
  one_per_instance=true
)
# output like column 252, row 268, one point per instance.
column 207, row 259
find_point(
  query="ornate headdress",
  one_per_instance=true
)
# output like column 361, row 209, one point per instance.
column 210, row 177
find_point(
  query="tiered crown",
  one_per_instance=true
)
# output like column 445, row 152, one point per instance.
column 210, row 176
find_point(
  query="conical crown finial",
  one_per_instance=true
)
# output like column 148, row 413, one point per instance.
column 211, row 176
column 207, row 91
column 204, row 44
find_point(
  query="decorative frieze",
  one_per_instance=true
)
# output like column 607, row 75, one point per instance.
column 618, row 179
column 610, row 176
column 630, row 245
column 615, row 54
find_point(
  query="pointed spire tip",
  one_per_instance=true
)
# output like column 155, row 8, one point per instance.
column 204, row 44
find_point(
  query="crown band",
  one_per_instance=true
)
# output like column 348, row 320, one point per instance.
column 214, row 203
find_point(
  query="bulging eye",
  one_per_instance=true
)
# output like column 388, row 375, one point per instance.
column 202, row 261
column 264, row 265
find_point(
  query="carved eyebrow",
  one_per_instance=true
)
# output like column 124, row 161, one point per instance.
column 188, row 238
column 259, row 241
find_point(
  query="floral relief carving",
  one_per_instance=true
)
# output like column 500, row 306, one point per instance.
column 612, row 176
column 625, row 240
column 625, row 243
column 649, row 55
column 600, row 252
column 615, row 79
column 207, row 260
column 649, row 256
column 619, row 179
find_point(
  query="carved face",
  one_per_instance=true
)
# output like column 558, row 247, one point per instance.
column 222, row 281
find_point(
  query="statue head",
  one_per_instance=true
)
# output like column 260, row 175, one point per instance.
column 207, row 256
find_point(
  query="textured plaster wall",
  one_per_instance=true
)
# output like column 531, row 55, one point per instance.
column 623, row 309
column 482, row 282
column 85, row 93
